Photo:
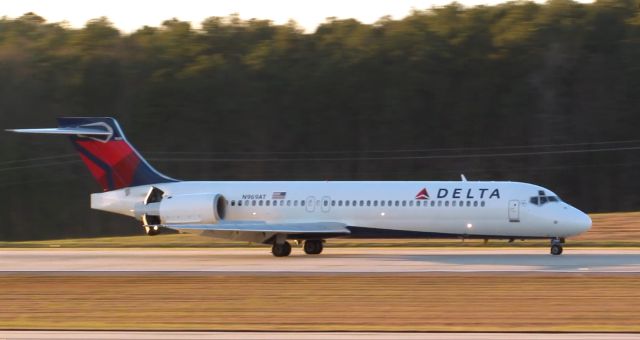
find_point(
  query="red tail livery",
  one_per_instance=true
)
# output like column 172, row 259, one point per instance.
column 113, row 162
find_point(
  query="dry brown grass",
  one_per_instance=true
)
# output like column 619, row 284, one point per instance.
column 613, row 226
column 416, row 302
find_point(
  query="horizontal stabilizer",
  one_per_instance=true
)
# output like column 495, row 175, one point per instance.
column 67, row 131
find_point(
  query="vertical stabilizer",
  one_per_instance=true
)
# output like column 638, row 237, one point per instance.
column 112, row 161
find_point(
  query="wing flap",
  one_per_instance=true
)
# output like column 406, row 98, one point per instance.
column 284, row 228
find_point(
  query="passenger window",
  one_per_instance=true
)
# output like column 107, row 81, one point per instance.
column 267, row 203
column 233, row 203
column 295, row 203
column 333, row 203
column 461, row 204
column 246, row 202
column 397, row 203
column 446, row 203
column 482, row 204
column 468, row 203
column 253, row 203
column 417, row 203
column 346, row 203
column 439, row 203
column 389, row 203
column 411, row 203
column 239, row 203
column 375, row 203
column 325, row 203
column 453, row 203
column 404, row 203
column 475, row 203
column 353, row 203
column 302, row 203
column 382, row 203
column 288, row 203
column 274, row 203
column 361, row 203
column 433, row 203
column 340, row 203
column 368, row 203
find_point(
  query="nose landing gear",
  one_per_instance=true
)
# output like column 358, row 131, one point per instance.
column 556, row 245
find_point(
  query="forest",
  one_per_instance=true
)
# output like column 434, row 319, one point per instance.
column 547, row 93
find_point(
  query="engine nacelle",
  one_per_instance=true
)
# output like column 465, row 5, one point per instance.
column 192, row 208
column 182, row 209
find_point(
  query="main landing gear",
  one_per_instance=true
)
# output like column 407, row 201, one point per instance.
column 556, row 246
column 313, row 247
column 282, row 248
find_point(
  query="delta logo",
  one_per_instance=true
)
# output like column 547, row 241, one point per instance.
column 423, row 194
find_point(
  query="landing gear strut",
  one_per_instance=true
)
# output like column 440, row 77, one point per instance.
column 556, row 246
column 281, row 249
column 313, row 247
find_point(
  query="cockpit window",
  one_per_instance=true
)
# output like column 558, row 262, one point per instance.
column 542, row 198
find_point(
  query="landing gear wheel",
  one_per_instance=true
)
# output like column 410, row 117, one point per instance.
column 280, row 250
column 556, row 249
column 152, row 230
column 313, row 247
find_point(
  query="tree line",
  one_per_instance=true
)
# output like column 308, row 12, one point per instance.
column 543, row 93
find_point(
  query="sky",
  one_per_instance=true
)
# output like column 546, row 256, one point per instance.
column 129, row 15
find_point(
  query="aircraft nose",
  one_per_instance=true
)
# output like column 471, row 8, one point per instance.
column 581, row 222
column 584, row 222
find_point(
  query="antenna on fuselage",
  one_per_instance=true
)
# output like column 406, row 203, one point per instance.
column 462, row 178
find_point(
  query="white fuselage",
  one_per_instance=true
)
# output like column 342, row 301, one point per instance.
column 380, row 208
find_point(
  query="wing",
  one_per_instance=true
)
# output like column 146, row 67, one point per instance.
column 262, row 227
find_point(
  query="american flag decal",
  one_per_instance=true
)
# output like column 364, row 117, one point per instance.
column 278, row 195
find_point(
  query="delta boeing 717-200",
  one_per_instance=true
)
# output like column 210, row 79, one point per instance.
column 276, row 212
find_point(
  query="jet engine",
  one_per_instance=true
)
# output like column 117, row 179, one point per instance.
column 158, row 209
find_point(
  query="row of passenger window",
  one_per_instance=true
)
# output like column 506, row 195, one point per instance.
column 361, row 203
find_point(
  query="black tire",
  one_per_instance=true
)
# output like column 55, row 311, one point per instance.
column 556, row 249
column 313, row 247
column 152, row 230
column 281, row 250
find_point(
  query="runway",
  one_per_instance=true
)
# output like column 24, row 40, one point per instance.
column 334, row 260
column 23, row 335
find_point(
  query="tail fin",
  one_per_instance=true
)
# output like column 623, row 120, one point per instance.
column 106, row 152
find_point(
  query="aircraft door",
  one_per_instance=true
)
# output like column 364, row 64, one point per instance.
column 326, row 203
column 514, row 211
column 311, row 204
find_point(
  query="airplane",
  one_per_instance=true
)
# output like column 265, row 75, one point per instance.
column 276, row 212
